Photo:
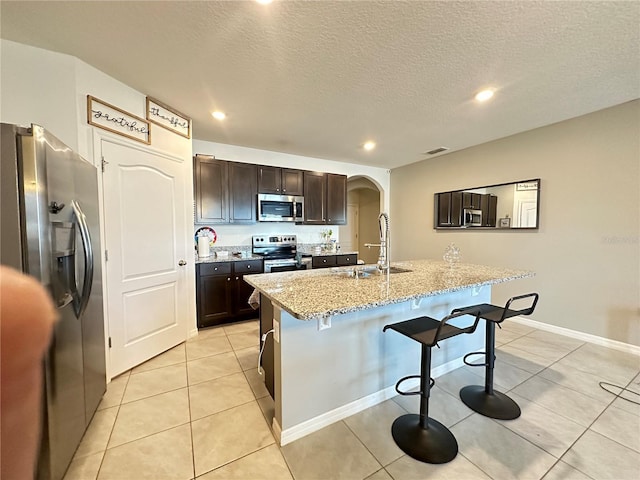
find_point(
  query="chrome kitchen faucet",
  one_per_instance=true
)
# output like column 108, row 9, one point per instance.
column 383, row 257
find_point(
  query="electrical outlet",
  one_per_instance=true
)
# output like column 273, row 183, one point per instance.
column 324, row 323
column 276, row 330
column 415, row 303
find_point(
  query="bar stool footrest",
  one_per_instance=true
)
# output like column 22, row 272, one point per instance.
column 464, row 359
column 433, row 444
column 419, row 392
column 494, row 405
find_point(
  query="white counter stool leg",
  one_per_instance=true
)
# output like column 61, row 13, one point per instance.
column 484, row 399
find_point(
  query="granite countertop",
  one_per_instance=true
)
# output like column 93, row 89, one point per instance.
column 244, row 255
column 311, row 250
column 247, row 255
column 323, row 292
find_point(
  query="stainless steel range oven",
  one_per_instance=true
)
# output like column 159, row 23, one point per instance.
column 280, row 253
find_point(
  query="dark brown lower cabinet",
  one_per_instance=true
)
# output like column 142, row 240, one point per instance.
column 221, row 292
column 326, row 261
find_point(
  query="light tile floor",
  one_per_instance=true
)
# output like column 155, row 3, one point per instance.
column 200, row 410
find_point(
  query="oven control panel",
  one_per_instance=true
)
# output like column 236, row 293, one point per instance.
column 270, row 240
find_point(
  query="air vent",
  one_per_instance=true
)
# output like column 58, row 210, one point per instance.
column 437, row 150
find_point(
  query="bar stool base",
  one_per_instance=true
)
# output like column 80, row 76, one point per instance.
column 495, row 405
column 435, row 444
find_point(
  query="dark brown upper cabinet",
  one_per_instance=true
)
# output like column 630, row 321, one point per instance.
column 315, row 198
column 471, row 200
column 225, row 192
column 336, row 199
column 243, row 191
column 280, row 181
column 448, row 209
column 325, row 198
column 211, row 190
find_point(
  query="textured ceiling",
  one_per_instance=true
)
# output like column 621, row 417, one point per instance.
column 318, row 78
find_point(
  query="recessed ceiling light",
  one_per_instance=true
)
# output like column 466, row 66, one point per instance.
column 219, row 115
column 264, row 2
column 484, row 95
column 369, row 145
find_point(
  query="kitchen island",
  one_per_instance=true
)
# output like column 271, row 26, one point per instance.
column 330, row 358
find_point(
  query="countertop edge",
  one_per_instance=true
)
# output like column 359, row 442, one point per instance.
column 382, row 303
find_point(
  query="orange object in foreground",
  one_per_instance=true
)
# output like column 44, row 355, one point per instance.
column 26, row 319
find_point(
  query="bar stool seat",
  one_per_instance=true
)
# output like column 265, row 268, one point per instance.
column 484, row 399
column 420, row 436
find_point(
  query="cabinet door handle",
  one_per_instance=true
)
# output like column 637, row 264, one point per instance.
column 229, row 279
column 249, row 267
column 236, row 278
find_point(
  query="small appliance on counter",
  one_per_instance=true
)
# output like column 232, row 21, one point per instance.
column 205, row 238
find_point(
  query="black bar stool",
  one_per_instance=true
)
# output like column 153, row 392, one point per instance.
column 485, row 400
column 420, row 436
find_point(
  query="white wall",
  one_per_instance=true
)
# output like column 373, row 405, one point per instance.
column 38, row 87
column 237, row 235
column 50, row 89
column 586, row 253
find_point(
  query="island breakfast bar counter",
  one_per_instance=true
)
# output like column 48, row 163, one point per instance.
column 330, row 357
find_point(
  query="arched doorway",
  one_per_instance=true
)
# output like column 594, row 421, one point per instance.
column 363, row 208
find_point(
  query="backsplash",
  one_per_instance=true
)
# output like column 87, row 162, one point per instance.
column 239, row 236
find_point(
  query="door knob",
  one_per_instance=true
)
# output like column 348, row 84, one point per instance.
column 182, row 263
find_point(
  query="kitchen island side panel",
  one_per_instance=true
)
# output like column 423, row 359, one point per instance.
column 320, row 371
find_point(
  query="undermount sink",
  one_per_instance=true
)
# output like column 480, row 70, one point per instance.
column 365, row 271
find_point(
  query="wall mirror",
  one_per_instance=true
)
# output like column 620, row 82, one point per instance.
column 513, row 206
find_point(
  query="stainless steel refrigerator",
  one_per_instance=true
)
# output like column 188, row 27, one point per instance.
column 50, row 229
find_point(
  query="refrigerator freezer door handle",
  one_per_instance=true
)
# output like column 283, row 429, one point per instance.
column 88, row 259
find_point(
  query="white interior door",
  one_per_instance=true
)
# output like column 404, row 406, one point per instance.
column 527, row 213
column 145, row 210
column 349, row 232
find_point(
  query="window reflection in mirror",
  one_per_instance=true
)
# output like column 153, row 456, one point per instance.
column 512, row 205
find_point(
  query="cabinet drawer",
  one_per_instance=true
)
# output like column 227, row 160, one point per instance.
column 347, row 259
column 248, row 266
column 324, row 261
column 218, row 268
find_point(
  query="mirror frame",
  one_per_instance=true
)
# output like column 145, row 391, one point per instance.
column 496, row 228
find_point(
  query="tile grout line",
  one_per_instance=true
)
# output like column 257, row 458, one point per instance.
column 365, row 446
column 106, row 447
column 193, row 445
column 559, row 459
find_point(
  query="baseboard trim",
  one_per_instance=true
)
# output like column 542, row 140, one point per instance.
column 277, row 430
column 193, row 333
column 314, row 424
column 586, row 337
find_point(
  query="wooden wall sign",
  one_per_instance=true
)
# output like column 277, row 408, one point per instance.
column 166, row 117
column 111, row 118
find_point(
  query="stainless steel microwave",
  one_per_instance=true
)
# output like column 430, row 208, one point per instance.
column 471, row 218
column 280, row 208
